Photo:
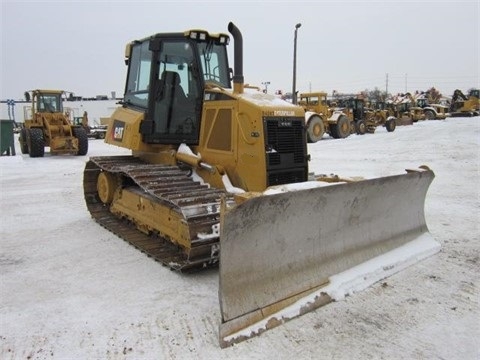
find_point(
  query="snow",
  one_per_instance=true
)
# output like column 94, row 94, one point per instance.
column 229, row 187
column 362, row 276
column 184, row 149
column 72, row 290
column 265, row 100
column 277, row 189
column 215, row 233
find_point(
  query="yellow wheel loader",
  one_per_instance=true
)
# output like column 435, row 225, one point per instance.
column 47, row 125
column 320, row 119
column 430, row 110
column 219, row 176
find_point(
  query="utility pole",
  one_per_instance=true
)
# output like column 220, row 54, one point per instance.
column 294, row 85
column 386, row 85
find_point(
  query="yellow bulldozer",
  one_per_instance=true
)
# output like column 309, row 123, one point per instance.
column 47, row 125
column 218, row 176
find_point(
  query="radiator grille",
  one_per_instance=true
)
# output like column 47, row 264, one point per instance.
column 286, row 149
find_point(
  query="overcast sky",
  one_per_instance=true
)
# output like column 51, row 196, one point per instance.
column 346, row 46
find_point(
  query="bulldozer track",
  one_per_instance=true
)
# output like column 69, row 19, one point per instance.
column 173, row 188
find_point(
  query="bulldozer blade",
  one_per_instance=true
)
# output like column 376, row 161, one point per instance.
column 278, row 249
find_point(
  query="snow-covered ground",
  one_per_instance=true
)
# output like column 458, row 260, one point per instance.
column 72, row 290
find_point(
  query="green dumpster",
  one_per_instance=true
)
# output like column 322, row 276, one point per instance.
column 7, row 144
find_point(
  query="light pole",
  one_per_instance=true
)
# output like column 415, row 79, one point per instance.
column 266, row 83
column 294, row 90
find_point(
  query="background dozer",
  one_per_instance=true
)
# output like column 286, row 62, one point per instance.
column 203, row 186
column 47, row 125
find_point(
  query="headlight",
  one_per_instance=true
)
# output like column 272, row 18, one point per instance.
column 198, row 35
column 224, row 40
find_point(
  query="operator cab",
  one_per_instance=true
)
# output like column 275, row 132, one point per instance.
column 166, row 78
column 49, row 102
column 358, row 108
column 474, row 93
column 422, row 102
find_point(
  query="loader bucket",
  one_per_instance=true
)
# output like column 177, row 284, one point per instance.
column 276, row 249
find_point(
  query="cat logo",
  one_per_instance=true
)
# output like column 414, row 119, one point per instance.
column 118, row 128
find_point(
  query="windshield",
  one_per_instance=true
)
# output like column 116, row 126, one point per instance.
column 422, row 102
column 49, row 103
column 214, row 62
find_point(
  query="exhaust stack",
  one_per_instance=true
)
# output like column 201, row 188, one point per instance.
column 238, row 81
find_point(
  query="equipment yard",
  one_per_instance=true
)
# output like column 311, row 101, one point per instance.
column 70, row 289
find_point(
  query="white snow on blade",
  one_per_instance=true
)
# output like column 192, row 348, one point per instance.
column 364, row 275
column 297, row 187
column 229, row 187
column 355, row 279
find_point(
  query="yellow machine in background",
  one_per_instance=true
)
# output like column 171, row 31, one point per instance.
column 430, row 110
column 321, row 119
column 361, row 118
column 462, row 105
column 46, row 124
column 404, row 110
column 93, row 131
column 201, row 187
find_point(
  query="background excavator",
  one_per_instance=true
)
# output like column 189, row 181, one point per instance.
column 462, row 105
column 219, row 176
